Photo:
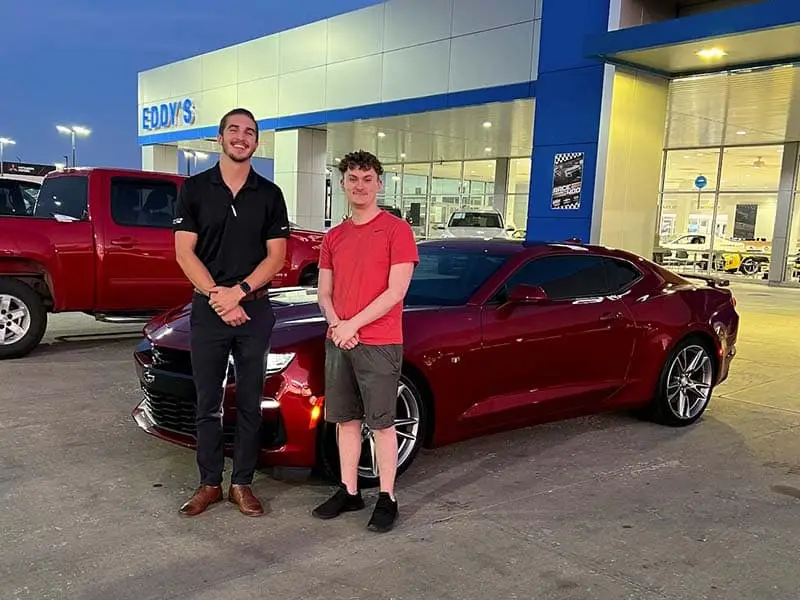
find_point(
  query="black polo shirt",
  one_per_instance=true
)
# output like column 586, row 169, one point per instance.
column 232, row 232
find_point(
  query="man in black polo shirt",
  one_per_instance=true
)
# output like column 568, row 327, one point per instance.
column 231, row 227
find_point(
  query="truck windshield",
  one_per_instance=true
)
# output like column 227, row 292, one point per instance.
column 475, row 219
column 62, row 196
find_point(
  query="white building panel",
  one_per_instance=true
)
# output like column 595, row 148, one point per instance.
column 303, row 47
column 218, row 68
column 260, row 96
column 396, row 50
column 491, row 58
column 354, row 82
column 257, row 59
column 215, row 103
column 416, row 71
column 471, row 16
column 355, row 35
column 301, row 92
column 413, row 22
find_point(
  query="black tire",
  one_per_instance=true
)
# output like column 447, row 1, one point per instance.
column 309, row 277
column 665, row 407
column 25, row 298
column 750, row 266
column 329, row 450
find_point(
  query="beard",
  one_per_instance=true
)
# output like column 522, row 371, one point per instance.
column 237, row 155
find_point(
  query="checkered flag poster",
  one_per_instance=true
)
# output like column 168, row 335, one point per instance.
column 567, row 181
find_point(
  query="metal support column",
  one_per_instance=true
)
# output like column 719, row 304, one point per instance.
column 783, row 212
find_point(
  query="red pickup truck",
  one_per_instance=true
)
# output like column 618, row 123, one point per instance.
column 100, row 242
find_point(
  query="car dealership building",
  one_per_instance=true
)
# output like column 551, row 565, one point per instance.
column 667, row 127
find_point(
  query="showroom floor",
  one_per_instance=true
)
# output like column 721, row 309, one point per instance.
column 597, row 508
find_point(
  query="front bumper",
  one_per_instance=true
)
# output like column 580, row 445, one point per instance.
column 290, row 416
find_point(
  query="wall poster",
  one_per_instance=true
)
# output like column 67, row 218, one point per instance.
column 567, row 181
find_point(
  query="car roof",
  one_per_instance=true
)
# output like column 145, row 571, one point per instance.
column 115, row 170
column 512, row 247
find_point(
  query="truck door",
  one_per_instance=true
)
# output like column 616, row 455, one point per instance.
column 137, row 267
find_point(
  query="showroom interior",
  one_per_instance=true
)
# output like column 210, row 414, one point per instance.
column 695, row 132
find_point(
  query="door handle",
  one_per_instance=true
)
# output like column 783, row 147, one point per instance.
column 125, row 242
column 615, row 316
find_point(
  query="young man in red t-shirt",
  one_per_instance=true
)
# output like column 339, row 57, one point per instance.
column 365, row 268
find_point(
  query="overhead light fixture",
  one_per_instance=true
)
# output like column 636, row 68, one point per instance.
column 336, row 159
column 402, row 155
column 488, row 149
column 741, row 132
column 381, row 134
column 709, row 53
column 487, row 124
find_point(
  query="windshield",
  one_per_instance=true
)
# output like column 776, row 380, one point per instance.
column 62, row 196
column 475, row 219
column 449, row 277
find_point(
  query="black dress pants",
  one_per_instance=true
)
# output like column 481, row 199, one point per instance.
column 212, row 341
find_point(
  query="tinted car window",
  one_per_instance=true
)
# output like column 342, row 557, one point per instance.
column 142, row 202
column 475, row 219
column 621, row 274
column 17, row 197
column 447, row 277
column 64, row 195
column 563, row 277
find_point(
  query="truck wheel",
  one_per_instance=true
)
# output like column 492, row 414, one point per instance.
column 23, row 319
column 750, row 266
column 310, row 276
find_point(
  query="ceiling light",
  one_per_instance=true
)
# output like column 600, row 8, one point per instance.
column 487, row 124
column 336, row 159
column 709, row 53
column 741, row 132
column 402, row 155
column 488, row 149
column 381, row 134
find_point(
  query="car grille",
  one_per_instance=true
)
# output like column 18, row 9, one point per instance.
column 177, row 414
column 171, row 360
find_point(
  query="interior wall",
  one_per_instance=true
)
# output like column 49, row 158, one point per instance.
column 628, row 208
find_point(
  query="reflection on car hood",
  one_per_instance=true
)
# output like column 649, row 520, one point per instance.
column 476, row 232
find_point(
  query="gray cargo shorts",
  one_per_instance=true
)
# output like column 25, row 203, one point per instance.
column 361, row 384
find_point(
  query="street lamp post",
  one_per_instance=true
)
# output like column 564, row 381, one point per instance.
column 3, row 143
column 73, row 131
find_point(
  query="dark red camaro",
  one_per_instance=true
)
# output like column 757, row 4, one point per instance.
column 498, row 335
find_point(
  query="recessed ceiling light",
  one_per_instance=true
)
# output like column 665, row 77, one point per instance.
column 381, row 134
column 402, row 155
column 336, row 159
column 741, row 132
column 709, row 53
column 488, row 149
column 487, row 124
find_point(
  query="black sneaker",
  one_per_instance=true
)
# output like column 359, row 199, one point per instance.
column 384, row 515
column 340, row 502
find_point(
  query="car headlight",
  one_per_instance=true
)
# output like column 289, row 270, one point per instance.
column 276, row 363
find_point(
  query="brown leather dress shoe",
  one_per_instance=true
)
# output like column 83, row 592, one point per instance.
column 205, row 496
column 243, row 497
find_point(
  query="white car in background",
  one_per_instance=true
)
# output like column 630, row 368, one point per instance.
column 483, row 224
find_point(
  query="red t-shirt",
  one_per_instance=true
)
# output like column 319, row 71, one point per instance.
column 360, row 257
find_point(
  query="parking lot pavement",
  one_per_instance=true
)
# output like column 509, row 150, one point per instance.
column 604, row 507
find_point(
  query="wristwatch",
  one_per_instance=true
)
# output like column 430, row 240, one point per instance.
column 245, row 287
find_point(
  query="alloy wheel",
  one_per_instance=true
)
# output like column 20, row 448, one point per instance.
column 689, row 382
column 407, row 427
column 15, row 319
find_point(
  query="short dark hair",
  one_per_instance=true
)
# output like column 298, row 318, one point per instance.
column 237, row 111
column 360, row 160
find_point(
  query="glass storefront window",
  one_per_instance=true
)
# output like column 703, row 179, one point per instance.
column 683, row 167
column 751, row 168
column 793, row 245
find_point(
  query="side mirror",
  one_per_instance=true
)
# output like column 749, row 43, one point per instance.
column 440, row 227
column 527, row 294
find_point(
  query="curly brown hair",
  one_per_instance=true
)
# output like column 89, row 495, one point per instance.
column 360, row 159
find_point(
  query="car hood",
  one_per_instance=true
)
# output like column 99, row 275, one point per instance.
column 171, row 329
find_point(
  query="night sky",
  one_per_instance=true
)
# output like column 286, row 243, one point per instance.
column 76, row 63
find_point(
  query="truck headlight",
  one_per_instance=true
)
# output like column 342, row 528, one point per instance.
column 275, row 363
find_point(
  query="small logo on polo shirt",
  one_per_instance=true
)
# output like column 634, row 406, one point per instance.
column 177, row 221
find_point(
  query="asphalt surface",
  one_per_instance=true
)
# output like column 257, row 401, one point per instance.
column 605, row 507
